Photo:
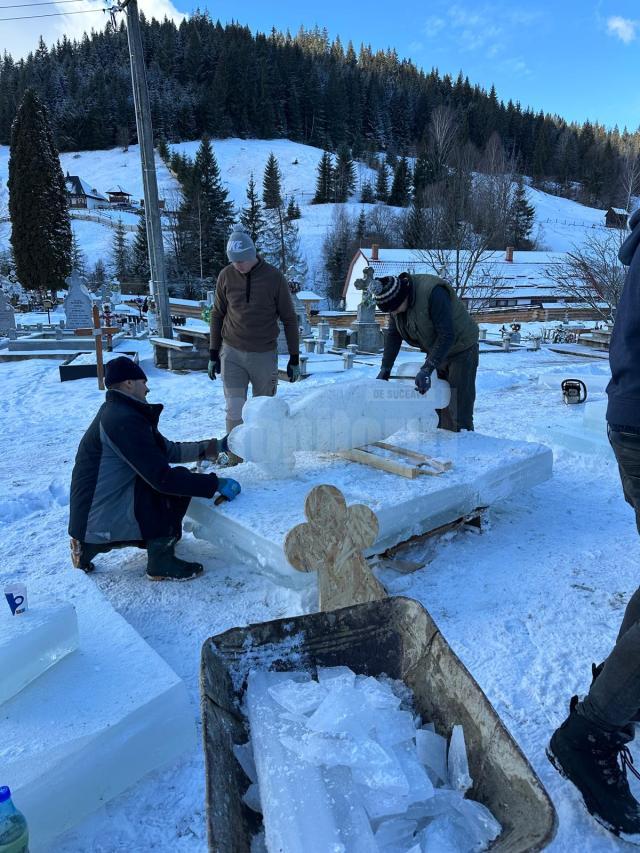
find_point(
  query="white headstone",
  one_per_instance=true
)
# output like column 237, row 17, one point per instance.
column 77, row 304
column 7, row 315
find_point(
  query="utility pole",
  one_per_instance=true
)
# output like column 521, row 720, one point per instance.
column 147, row 156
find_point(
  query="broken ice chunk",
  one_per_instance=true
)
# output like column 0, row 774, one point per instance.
column 443, row 801
column 377, row 694
column 478, row 822
column 298, row 697
column 457, row 762
column 379, row 804
column 420, row 786
column 355, row 829
column 342, row 710
column 432, row 752
column 336, row 676
column 244, row 757
column 446, row 834
column 393, row 727
column 252, row 798
column 396, row 833
column 258, row 844
column 382, row 771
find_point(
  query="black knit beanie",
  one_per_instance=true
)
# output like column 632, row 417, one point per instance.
column 121, row 368
column 390, row 291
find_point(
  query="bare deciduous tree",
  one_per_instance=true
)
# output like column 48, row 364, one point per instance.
column 592, row 273
column 630, row 173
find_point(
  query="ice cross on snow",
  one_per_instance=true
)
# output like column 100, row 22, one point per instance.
column 330, row 542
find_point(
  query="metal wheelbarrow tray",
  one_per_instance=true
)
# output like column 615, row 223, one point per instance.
column 397, row 637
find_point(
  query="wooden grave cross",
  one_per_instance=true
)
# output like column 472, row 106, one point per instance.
column 331, row 542
column 98, row 331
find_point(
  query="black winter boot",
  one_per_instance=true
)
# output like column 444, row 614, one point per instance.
column 162, row 563
column 596, row 762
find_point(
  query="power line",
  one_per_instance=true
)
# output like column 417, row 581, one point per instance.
column 45, row 3
column 53, row 15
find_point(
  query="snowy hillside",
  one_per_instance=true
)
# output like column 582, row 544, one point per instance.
column 560, row 223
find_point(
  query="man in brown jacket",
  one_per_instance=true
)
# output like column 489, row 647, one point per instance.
column 251, row 296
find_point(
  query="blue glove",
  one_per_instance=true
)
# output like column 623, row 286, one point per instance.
column 228, row 488
column 293, row 368
column 423, row 380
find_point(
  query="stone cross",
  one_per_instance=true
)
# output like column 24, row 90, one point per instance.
column 7, row 315
column 364, row 284
column 331, row 542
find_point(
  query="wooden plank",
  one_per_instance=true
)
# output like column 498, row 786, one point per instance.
column 413, row 454
column 365, row 457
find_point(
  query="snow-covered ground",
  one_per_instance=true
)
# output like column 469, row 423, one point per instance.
column 527, row 605
column 560, row 223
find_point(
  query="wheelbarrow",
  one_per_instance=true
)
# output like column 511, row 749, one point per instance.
column 396, row 637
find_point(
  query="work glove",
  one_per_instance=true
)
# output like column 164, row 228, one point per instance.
column 228, row 488
column 215, row 447
column 423, row 378
column 385, row 373
column 214, row 364
column 293, row 368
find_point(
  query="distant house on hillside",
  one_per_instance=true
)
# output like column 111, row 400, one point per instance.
column 119, row 197
column 616, row 217
column 81, row 195
column 520, row 277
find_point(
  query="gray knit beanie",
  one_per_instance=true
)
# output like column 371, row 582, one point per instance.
column 240, row 247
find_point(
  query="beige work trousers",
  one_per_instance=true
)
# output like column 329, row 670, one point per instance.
column 241, row 368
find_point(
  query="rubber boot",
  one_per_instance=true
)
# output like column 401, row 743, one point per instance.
column 596, row 762
column 163, row 565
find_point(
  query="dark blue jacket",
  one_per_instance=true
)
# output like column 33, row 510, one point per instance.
column 624, row 351
column 122, row 478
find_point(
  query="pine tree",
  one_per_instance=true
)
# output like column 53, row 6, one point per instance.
column 281, row 246
column 382, row 184
column 78, row 257
column 252, row 216
column 415, row 227
column 522, row 217
column 401, row 188
column 344, row 175
column 40, row 224
column 140, row 250
column 361, row 227
column 367, row 195
column 98, row 276
column 272, row 184
column 325, row 180
column 206, row 215
column 120, row 253
column 293, row 211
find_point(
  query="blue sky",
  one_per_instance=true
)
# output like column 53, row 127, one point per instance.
column 578, row 59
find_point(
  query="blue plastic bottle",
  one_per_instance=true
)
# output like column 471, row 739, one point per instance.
column 14, row 835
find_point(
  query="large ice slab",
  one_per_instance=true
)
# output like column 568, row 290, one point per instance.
column 485, row 470
column 32, row 642
column 94, row 724
column 585, row 429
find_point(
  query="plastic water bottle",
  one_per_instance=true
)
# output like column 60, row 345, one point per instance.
column 14, row 835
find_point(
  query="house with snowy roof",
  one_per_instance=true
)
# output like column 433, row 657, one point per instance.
column 518, row 279
column 616, row 217
column 81, row 195
column 119, row 197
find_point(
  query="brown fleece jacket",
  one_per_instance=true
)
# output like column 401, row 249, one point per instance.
column 247, row 307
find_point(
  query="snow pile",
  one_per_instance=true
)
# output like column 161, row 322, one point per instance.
column 345, row 756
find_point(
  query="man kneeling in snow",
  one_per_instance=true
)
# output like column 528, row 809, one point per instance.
column 124, row 491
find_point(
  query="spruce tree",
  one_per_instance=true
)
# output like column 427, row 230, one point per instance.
column 361, row 227
column 382, row 184
column 40, row 224
column 325, row 180
column 522, row 217
column 252, row 216
column 345, row 175
column 367, row 195
column 401, row 187
column 140, row 250
column 415, row 227
column 293, row 211
column 281, row 246
column 78, row 257
column 272, row 184
column 120, row 253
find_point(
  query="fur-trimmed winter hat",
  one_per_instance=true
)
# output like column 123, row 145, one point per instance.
column 121, row 368
column 240, row 247
column 390, row 291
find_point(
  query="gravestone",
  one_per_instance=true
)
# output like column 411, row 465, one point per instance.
column 78, row 304
column 7, row 315
column 365, row 328
column 323, row 331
